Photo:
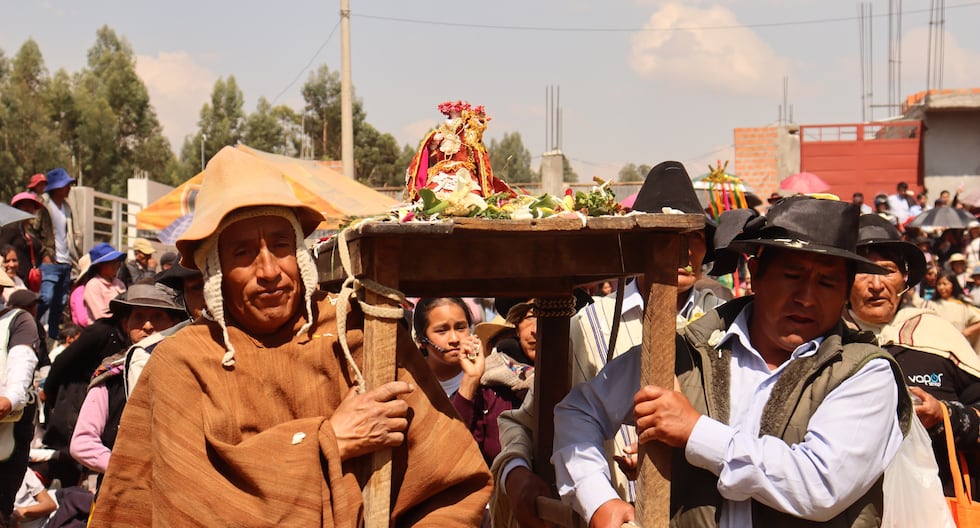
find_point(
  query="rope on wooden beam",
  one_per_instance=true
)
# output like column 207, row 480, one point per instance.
column 554, row 306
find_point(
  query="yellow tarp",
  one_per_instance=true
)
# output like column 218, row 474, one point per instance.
column 314, row 183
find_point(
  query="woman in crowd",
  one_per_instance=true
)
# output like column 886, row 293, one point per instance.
column 76, row 300
column 927, row 288
column 8, row 255
column 952, row 305
column 457, row 358
column 103, row 286
column 21, row 236
column 143, row 311
column 67, row 385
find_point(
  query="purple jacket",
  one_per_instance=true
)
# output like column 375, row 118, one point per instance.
column 480, row 416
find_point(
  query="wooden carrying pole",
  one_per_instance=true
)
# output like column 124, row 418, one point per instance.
column 380, row 342
column 657, row 368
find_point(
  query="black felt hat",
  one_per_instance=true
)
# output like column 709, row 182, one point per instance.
column 812, row 225
column 874, row 232
column 175, row 275
column 669, row 186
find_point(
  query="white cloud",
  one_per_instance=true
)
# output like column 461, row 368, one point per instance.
column 178, row 87
column 960, row 66
column 56, row 11
column 734, row 60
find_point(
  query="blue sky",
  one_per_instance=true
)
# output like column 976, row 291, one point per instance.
column 628, row 94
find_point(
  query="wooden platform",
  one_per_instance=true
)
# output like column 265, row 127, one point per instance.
column 544, row 258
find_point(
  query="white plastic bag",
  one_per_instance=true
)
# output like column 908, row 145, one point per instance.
column 913, row 492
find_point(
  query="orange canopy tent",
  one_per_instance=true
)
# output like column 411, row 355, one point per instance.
column 313, row 182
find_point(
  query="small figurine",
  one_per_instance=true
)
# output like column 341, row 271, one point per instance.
column 452, row 156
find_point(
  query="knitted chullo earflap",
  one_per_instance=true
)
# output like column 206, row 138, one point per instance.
column 208, row 260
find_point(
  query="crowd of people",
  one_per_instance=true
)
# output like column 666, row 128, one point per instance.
column 219, row 385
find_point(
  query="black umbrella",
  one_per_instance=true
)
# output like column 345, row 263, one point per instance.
column 943, row 216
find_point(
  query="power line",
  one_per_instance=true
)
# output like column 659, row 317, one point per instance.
column 635, row 29
column 308, row 64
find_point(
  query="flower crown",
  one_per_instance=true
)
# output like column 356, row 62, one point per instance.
column 457, row 107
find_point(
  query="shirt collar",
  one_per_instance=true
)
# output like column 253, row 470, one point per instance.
column 688, row 305
column 631, row 297
column 739, row 330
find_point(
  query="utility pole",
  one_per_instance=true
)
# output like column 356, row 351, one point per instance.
column 346, row 97
column 203, row 138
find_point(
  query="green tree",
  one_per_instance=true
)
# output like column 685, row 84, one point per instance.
column 567, row 172
column 511, row 160
column 263, row 130
column 631, row 172
column 377, row 157
column 321, row 115
column 29, row 142
column 119, row 134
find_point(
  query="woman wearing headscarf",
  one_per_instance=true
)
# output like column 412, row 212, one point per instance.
column 143, row 310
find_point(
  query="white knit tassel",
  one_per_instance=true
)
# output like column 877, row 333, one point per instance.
column 215, row 303
column 308, row 274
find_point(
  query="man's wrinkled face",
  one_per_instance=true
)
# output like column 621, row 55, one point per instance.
column 798, row 297
column 875, row 298
column 261, row 284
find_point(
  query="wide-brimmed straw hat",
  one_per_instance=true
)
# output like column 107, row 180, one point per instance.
column 147, row 296
column 874, row 232
column 668, row 187
column 809, row 225
column 236, row 180
column 487, row 331
column 84, row 266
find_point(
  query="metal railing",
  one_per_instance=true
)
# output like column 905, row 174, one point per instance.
column 103, row 217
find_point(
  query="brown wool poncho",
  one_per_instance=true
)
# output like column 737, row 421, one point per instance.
column 205, row 445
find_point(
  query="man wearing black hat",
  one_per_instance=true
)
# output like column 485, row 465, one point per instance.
column 783, row 419
column 940, row 366
column 667, row 189
column 188, row 284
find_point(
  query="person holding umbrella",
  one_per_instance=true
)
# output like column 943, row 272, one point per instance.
column 24, row 240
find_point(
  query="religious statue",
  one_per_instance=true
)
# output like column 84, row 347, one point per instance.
column 452, row 158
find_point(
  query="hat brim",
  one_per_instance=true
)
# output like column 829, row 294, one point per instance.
column 108, row 257
column 174, row 277
column 750, row 247
column 913, row 257
column 487, row 331
column 59, row 184
column 116, row 304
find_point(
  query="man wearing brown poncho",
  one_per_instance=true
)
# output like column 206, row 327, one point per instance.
column 248, row 416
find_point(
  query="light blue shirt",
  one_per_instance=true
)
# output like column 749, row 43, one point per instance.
column 851, row 438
